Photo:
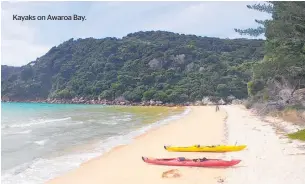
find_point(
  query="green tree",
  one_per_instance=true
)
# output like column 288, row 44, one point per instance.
column 149, row 95
column 107, row 94
column 284, row 48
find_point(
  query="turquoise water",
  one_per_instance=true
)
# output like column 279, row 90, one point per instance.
column 30, row 126
column 41, row 141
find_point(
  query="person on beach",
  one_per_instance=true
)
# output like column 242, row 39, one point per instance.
column 217, row 107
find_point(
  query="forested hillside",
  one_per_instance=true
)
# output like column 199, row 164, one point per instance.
column 154, row 65
column 280, row 77
column 7, row 71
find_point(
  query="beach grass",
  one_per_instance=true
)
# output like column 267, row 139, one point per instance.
column 290, row 114
column 300, row 135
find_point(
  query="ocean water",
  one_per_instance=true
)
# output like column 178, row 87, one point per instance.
column 42, row 141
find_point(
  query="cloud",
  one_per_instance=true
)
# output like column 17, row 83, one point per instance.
column 23, row 42
column 216, row 19
column 120, row 18
column 18, row 45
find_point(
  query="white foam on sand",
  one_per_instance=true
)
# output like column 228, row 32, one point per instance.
column 268, row 158
column 42, row 169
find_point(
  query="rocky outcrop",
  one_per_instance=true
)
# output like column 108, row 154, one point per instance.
column 212, row 101
column 190, row 67
column 206, row 101
column 155, row 64
column 299, row 97
column 237, row 102
column 84, row 100
column 221, row 102
column 179, row 58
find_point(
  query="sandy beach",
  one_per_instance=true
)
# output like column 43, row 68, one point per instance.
column 269, row 158
column 124, row 164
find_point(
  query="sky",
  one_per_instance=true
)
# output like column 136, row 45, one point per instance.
column 24, row 41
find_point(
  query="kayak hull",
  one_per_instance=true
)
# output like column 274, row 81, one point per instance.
column 191, row 162
column 198, row 148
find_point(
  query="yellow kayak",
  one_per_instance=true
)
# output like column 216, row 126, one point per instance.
column 199, row 148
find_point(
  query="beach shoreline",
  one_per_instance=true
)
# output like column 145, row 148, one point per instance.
column 132, row 122
column 202, row 125
column 85, row 101
column 115, row 165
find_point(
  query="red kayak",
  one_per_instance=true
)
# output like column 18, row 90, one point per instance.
column 181, row 161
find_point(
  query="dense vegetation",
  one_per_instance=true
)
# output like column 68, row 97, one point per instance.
column 6, row 71
column 282, row 71
column 279, row 78
column 154, row 65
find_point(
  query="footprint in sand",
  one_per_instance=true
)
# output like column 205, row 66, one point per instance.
column 220, row 180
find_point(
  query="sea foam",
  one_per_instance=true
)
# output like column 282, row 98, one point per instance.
column 40, row 170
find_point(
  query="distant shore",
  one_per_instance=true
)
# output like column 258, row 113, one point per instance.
column 100, row 102
column 108, row 102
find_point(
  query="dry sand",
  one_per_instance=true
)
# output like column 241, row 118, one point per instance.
column 270, row 157
column 124, row 164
